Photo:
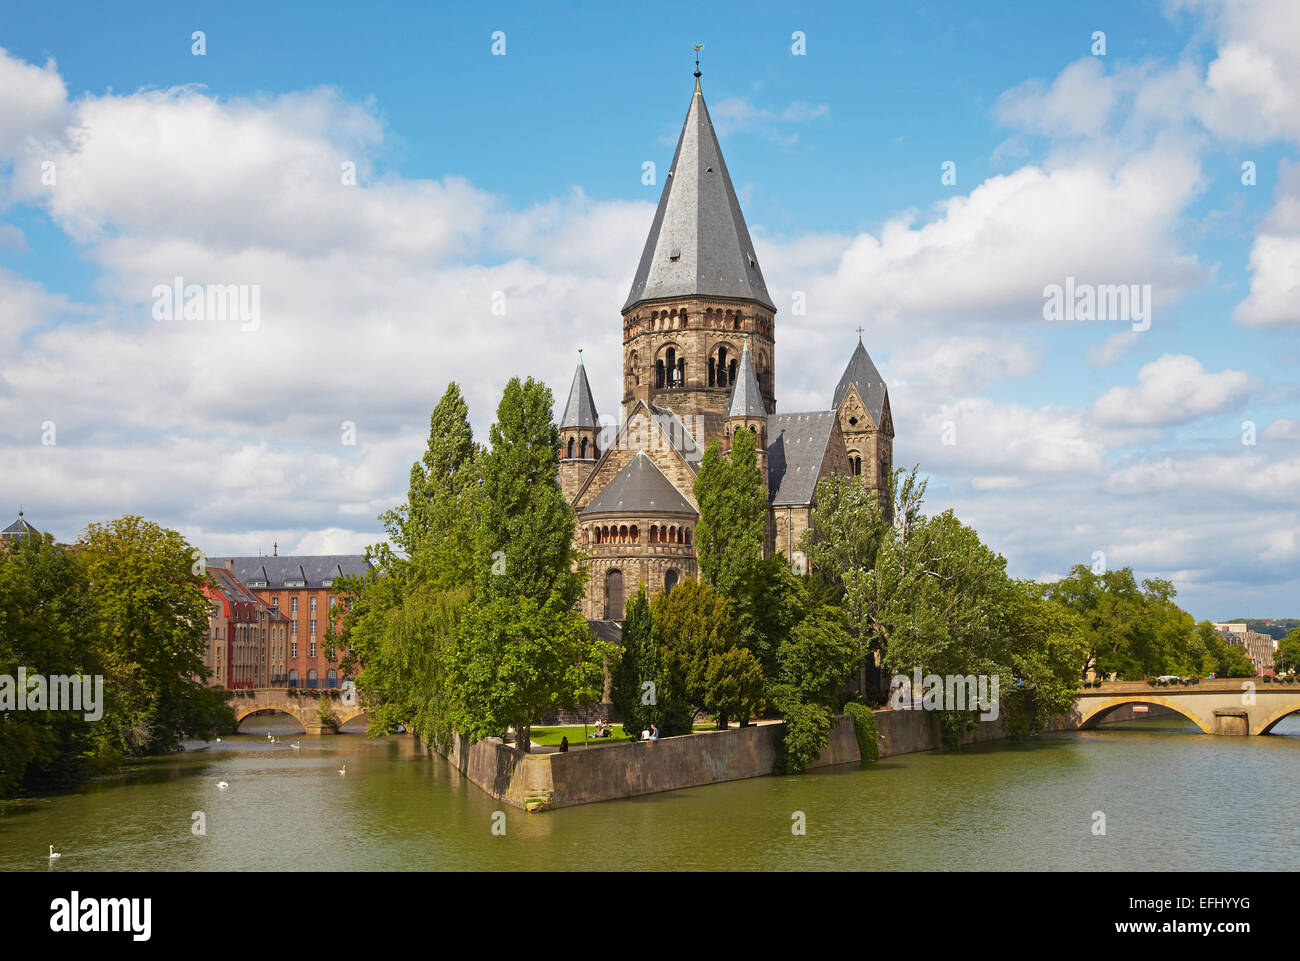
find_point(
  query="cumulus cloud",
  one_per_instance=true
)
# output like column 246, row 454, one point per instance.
column 1171, row 390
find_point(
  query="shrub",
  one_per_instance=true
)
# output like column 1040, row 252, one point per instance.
column 864, row 726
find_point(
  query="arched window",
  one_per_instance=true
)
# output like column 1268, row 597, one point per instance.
column 670, row 580
column 634, row 532
column 731, row 373
column 293, row 677
column 659, row 374
column 331, row 678
column 681, row 372
column 584, row 448
column 713, row 377
column 614, row 595
column 570, row 448
column 312, row 678
column 722, row 367
column 688, row 536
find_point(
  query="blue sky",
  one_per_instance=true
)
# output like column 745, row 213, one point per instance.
column 523, row 173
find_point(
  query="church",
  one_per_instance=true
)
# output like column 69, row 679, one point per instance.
column 699, row 364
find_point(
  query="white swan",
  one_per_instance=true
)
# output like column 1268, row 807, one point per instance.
column 218, row 740
column 296, row 745
column 222, row 785
column 54, row 854
column 345, row 769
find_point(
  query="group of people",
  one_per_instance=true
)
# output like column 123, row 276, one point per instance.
column 603, row 729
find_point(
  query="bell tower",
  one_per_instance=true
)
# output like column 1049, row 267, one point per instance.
column 698, row 292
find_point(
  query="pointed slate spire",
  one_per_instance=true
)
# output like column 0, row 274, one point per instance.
column 580, row 411
column 746, row 398
column 698, row 243
column 862, row 374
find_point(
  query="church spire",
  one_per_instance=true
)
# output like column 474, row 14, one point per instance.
column 746, row 398
column 698, row 244
column 580, row 411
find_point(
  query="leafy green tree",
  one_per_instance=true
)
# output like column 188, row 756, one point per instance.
column 1288, row 652
column 733, row 513
column 850, row 526
column 693, row 630
column 515, row 660
column 405, row 612
column 47, row 627
column 641, row 662
column 525, row 535
column 151, row 619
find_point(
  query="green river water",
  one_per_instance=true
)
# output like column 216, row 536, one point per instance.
column 1173, row 799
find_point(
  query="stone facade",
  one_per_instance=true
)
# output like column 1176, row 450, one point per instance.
column 698, row 322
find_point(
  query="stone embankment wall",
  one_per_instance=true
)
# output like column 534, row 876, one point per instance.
column 629, row 769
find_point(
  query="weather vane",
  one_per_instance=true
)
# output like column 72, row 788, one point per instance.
column 698, row 48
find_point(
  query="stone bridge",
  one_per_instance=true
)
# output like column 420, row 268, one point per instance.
column 301, row 706
column 1238, row 705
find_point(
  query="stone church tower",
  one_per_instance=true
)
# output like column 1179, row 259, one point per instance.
column 698, row 292
column 698, row 366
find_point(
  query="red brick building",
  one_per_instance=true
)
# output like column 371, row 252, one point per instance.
column 236, row 649
column 300, row 589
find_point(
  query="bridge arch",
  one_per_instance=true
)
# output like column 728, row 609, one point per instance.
column 1271, row 720
column 243, row 714
column 1096, row 710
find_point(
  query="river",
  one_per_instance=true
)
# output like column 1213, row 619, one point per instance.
column 1172, row 799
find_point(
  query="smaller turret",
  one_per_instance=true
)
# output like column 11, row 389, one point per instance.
column 579, row 434
column 746, row 411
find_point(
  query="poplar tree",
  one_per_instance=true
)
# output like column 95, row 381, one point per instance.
column 523, row 650
column 733, row 514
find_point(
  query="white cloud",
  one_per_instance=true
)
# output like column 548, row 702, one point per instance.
column 1115, row 347
column 1170, row 390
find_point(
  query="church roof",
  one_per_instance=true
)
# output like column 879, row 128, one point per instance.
column 698, row 243
column 862, row 374
column 746, row 398
column 580, row 411
column 19, row 528
column 639, row 488
column 796, row 448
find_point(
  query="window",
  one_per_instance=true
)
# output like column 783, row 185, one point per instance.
column 584, row 448
column 333, row 600
column 275, row 602
column 313, row 627
column 670, row 581
column 311, row 649
column 311, row 677
column 331, row 678
column 293, row 626
column 293, row 648
column 570, row 448
column 614, row 596
column 313, row 606
column 293, row 605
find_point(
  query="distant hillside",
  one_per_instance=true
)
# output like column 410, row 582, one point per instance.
column 1278, row 629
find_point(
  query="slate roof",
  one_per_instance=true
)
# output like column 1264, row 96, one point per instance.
column 301, row 570
column 611, row 631
column 795, row 450
column 698, row 242
column 580, row 411
column 19, row 528
column 862, row 373
column 746, row 398
column 639, row 488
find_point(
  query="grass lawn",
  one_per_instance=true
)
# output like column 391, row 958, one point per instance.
column 550, row 736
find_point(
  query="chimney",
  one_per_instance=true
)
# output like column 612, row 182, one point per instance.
column 641, row 392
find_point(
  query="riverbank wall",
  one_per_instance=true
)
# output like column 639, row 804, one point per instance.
column 584, row 775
